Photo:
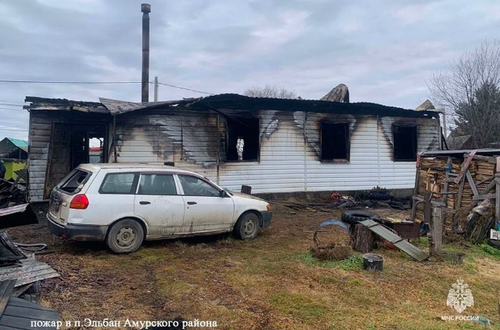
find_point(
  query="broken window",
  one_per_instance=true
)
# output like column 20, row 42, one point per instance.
column 405, row 142
column 243, row 139
column 335, row 141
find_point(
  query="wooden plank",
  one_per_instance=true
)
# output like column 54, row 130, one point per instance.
column 427, row 206
column 485, row 180
column 471, row 183
column 460, row 194
column 400, row 243
column 483, row 197
column 465, row 166
column 415, row 192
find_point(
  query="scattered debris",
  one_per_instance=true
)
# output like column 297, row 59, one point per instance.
column 12, row 193
column 16, row 313
column 482, row 320
column 24, row 270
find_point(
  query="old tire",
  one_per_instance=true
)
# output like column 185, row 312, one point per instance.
column 247, row 226
column 125, row 236
column 354, row 216
column 494, row 243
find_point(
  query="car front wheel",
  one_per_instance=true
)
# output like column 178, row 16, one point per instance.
column 125, row 236
column 247, row 226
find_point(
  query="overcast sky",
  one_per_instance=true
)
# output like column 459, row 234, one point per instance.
column 384, row 51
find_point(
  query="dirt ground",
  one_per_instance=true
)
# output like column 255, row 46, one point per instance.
column 271, row 282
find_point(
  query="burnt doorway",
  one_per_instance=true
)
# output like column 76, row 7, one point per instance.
column 70, row 146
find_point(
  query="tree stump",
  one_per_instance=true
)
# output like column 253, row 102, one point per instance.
column 362, row 239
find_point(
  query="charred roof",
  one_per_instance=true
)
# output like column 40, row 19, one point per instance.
column 228, row 101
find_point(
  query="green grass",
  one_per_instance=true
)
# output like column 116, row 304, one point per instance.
column 298, row 305
column 352, row 262
column 490, row 250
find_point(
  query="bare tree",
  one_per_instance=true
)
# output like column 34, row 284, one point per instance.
column 271, row 92
column 469, row 90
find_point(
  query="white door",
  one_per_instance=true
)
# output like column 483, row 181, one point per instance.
column 205, row 210
column 158, row 202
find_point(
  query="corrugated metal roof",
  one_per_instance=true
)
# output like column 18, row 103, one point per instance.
column 399, row 242
column 51, row 104
column 31, row 270
column 19, row 314
column 117, row 107
column 19, row 143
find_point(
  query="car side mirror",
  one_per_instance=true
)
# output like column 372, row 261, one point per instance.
column 223, row 193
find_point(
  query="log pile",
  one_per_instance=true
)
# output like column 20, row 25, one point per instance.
column 459, row 183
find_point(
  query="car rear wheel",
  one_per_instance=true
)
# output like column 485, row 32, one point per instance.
column 247, row 226
column 125, row 236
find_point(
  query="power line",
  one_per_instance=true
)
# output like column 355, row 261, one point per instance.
column 9, row 101
column 14, row 130
column 11, row 104
column 96, row 83
column 9, row 109
column 187, row 89
column 66, row 82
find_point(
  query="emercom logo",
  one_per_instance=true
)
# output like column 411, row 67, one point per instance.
column 460, row 297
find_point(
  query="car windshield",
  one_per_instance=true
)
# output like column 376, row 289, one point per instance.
column 74, row 181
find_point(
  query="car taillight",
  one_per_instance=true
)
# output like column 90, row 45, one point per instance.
column 79, row 202
column 268, row 207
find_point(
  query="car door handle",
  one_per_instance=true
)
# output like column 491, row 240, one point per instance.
column 191, row 203
column 144, row 202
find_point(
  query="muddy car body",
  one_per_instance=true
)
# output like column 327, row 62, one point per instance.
column 125, row 204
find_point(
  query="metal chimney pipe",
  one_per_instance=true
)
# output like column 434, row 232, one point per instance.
column 146, row 9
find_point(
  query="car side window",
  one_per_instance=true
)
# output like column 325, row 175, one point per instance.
column 157, row 184
column 194, row 186
column 119, row 183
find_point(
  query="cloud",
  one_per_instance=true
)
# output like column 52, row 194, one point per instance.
column 385, row 51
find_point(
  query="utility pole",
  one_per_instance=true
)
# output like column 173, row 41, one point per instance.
column 156, row 89
column 146, row 9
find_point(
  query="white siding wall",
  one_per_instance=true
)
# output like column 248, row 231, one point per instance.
column 287, row 164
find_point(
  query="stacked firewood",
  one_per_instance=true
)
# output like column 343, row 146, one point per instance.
column 432, row 177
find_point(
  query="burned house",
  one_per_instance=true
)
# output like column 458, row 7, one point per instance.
column 273, row 145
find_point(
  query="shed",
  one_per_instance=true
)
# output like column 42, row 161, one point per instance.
column 273, row 145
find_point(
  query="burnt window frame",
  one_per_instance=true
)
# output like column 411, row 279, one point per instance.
column 242, row 119
column 398, row 126
column 348, row 142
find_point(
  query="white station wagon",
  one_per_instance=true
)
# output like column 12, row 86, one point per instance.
column 125, row 204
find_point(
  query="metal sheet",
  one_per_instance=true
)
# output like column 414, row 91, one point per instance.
column 399, row 242
column 5, row 291
column 117, row 107
column 30, row 271
column 13, row 209
column 19, row 313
